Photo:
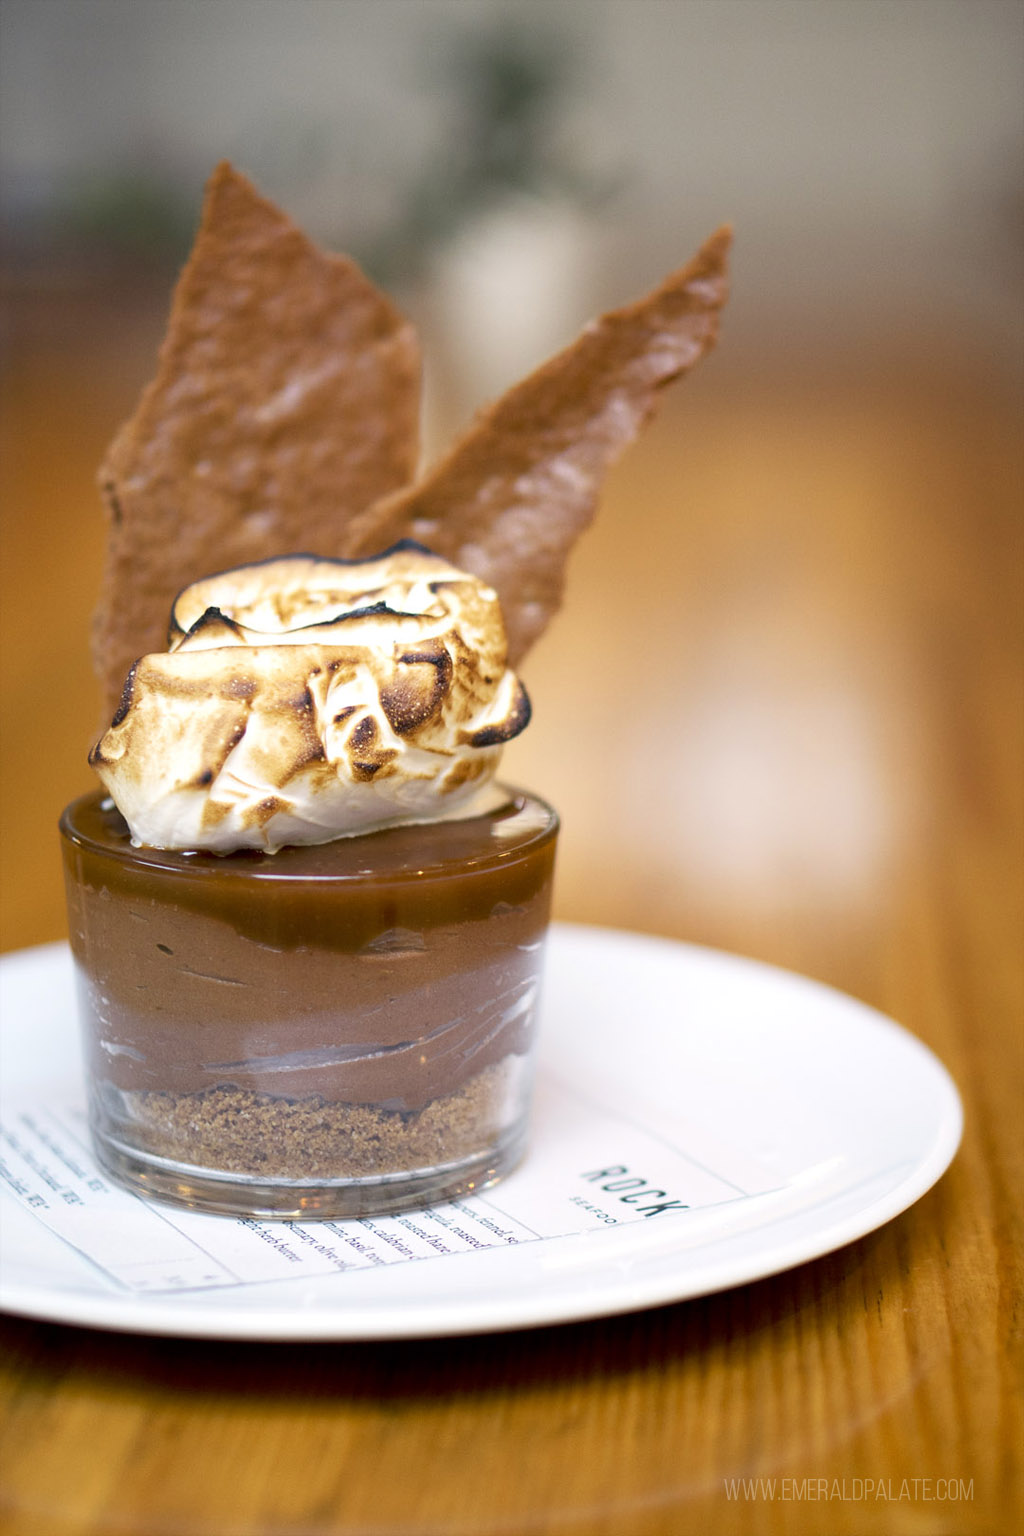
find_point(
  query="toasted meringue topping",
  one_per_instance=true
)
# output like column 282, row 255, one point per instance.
column 302, row 700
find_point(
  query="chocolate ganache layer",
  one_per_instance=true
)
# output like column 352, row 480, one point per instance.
column 386, row 969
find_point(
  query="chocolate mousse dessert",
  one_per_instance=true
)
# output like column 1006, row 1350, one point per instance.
column 339, row 1028
column 308, row 921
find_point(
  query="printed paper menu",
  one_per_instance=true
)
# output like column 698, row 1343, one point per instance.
column 588, row 1167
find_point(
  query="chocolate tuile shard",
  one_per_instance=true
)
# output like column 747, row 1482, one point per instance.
column 286, row 401
column 511, row 497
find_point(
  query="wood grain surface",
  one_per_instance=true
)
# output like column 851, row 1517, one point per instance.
column 782, row 715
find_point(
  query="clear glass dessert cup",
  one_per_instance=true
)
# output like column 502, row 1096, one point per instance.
column 322, row 1032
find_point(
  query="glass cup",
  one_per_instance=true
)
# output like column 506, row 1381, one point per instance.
column 322, row 1032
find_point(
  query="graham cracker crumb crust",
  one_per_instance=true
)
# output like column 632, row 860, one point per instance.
column 235, row 1130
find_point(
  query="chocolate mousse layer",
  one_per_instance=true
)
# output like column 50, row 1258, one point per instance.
column 384, row 970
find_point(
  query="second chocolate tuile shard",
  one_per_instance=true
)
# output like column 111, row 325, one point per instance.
column 513, row 495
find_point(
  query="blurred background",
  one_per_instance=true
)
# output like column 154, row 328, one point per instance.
column 869, row 151
column 802, row 589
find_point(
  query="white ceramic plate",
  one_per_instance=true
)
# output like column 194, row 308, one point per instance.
column 849, row 1118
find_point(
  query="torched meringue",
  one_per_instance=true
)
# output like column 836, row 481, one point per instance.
column 301, row 700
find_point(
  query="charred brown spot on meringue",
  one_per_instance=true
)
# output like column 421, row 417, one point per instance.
column 517, row 719
column 125, row 702
column 312, row 752
column 366, row 768
column 366, row 756
column 214, row 812
column 212, row 628
column 364, row 734
column 267, row 808
column 464, row 771
column 421, row 682
column 237, row 732
column 308, row 748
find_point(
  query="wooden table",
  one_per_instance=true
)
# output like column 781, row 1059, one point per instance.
column 781, row 714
